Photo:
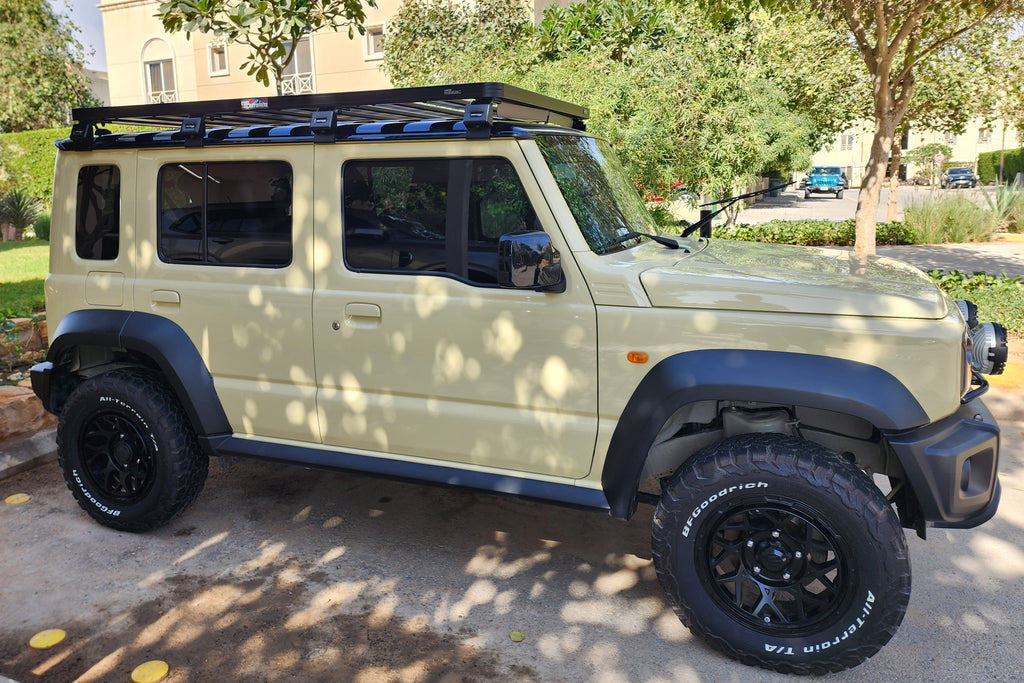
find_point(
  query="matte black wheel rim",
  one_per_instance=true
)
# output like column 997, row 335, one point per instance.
column 116, row 459
column 773, row 568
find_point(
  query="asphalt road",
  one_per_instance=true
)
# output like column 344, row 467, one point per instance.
column 281, row 573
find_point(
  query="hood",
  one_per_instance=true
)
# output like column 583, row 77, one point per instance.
column 748, row 276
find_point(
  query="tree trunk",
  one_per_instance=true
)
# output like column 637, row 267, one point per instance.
column 894, row 177
column 871, row 189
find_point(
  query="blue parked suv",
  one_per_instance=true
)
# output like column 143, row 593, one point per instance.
column 828, row 179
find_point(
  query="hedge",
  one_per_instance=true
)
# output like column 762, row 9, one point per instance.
column 988, row 165
column 26, row 161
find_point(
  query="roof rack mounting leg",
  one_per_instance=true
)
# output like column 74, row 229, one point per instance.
column 81, row 135
column 193, row 129
column 478, row 119
column 323, row 124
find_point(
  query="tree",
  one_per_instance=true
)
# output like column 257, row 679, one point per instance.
column 271, row 29
column 40, row 67
column 924, row 156
column 893, row 37
column 681, row 100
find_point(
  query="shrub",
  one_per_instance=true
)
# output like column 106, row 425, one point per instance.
column 42, row 227
column 814, row 233
column 998, row 298
column 988, row 165
column 27, row 159
column 951, row 219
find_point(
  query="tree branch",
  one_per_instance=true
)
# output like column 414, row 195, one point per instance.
column 913, row 21
column 853, row 20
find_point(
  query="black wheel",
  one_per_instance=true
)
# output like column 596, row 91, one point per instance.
column 839, row 194
column 807, row 194
column 128, row 452
column 781, row 554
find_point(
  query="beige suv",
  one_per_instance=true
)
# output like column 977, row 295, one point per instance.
column 457, row 284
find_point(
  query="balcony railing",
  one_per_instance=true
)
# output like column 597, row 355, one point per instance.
column 297, row 84
column 161, row 96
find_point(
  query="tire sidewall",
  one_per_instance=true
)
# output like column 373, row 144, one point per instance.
column 858, row 612
column 90, row 401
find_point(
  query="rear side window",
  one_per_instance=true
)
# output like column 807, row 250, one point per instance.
column 98, row 213
column 226, row 213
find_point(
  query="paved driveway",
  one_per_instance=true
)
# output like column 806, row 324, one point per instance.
column 280, row 573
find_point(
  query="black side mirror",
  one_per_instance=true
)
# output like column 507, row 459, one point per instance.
column 526, row 260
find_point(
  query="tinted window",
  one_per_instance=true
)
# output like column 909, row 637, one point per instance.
column 236, row 214
column 98, row 212
column 432, row 215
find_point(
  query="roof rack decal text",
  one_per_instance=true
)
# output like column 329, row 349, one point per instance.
column 255, row 103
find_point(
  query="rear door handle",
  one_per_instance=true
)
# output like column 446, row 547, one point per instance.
column 361, row 316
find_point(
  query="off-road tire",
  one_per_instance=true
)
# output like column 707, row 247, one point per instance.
column 816, row 549
column 807, row 194
column 128, row 452
column 839, row 194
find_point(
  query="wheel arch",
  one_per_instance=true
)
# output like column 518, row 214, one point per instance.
column 834, row 384
column 142, row 338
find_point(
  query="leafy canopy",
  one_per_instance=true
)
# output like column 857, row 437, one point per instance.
column 40, row 66
column 271, row 29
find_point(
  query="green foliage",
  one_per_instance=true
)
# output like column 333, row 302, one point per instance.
column 42, row 227
column 681, row 99
column 435, row 41
column 40, row 62
column 23, row 267
column 924, row 157
column 27, row 159
column 265, row 27
column 813, row 233
column 997, row 298
column 988, row 165
column 19, row 209
column 950, row 219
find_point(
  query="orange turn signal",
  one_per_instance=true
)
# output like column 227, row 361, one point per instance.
column 636, row 357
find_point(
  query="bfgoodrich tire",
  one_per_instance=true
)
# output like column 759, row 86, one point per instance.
column 781, row 554
column 128, row 452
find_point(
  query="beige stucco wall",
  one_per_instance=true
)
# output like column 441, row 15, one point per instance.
column 966, row 147
column 133, row 35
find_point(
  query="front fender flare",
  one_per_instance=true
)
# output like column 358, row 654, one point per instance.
column 835, row 384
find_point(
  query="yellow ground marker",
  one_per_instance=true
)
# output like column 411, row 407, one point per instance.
column 47, row 638
column 150, row 672
column 517, row 636
column 17, row 499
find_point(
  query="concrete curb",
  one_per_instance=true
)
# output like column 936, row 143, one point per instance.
column 24, row 453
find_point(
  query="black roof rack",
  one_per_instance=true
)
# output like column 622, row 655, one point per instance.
column 477, row 105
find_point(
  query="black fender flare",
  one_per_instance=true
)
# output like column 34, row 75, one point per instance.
column 155, row 337
column 835, row 384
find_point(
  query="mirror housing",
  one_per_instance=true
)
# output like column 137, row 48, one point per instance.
column 527, row 260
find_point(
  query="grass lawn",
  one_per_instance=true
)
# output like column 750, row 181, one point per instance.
column 23, row 267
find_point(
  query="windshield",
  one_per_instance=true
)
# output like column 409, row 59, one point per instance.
column 600, row 195
column 825, row 170
column 959, row 170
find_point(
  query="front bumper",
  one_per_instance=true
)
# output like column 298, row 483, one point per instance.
column 823, row 188
column 952, row 466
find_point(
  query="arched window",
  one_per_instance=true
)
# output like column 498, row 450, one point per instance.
column 158, row 71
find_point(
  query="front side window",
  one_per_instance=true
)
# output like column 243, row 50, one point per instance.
column 98, row 213
column 226, row 213
column 597, row 189
column 432, row 215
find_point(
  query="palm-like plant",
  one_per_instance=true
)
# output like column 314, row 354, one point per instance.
column 19, row 210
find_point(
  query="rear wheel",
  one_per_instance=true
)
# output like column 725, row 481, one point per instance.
column 839, row 194
column 128, row 452
column 781, row 554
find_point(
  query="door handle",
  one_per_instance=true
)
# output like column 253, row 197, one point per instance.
column 362, row 311
column 165, row 300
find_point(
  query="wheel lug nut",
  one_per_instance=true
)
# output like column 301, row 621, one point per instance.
column 786, row 576
column 798, row 554
column 775, row 534
column 767, row 620
column 757, row 570
column 750, row 544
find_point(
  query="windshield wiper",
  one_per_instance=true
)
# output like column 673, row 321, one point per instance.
column 705, row 222
column 632, row 235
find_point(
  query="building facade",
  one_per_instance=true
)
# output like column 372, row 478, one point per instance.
column 852, row 148
column 146, row 64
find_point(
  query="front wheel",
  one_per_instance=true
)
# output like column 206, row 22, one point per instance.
column 839, row 194
column 781, row 554
column 807, row 194
column 128, row 452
